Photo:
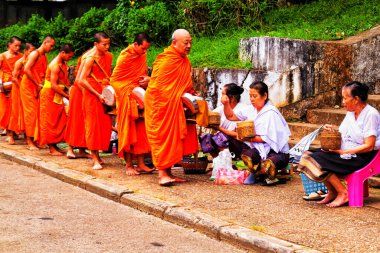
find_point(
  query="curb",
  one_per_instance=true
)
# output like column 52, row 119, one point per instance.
column 218, row 229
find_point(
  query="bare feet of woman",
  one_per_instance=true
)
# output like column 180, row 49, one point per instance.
column 329, row 197
column 340, row 200
column 130, row 171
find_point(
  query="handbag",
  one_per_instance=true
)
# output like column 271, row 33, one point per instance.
column 221, row 140
column 207, row 144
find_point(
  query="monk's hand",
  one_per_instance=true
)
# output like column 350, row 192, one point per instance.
column 101, row 99
column 143, row 81
column 225, row 100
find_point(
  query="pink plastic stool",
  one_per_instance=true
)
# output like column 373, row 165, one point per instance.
column 357, row 182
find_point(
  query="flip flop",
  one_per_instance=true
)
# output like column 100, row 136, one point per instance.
column 314, row 196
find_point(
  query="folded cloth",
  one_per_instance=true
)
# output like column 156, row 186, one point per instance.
column 312, row 169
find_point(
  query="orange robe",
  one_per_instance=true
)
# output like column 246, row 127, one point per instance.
column 5, row 99
column 125, row 76
column 52, row 116
column 16, row 121
column 97, row 123
column 164, row 113
column 75, row 131
column 29, row 95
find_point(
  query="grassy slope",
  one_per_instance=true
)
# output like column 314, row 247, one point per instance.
column 320, row 20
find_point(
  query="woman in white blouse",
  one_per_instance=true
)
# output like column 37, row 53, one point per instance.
column 267, row 152
column 360, row 131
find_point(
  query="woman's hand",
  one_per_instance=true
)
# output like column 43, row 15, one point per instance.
column 224, row 99
column 329, row 127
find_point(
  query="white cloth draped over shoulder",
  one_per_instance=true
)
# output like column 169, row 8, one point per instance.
column 271, row 126
column 354, row 131
column 228, row 124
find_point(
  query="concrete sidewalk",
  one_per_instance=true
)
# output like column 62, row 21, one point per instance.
column 274, row 219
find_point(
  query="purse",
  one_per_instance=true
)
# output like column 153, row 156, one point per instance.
column 207, row 144
column 221, row 140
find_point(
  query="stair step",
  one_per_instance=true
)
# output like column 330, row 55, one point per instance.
column 326, row 116
column 374, row 182
column 294, row 141
column 301, row 129
column 374, row 100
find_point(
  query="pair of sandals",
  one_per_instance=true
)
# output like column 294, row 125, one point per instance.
column 314, row 196
column 267, row 167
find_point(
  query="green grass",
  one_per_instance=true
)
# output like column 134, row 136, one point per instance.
column 319, row 20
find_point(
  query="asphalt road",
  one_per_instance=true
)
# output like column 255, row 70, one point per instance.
column 42, row 214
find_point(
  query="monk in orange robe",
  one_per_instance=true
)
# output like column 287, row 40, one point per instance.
column 75, row 131
column 93, row 77
column 7, row 62
column 16, row 121
column 52, row 116
column 31, row 84
column 164, row 112
column 131, row 71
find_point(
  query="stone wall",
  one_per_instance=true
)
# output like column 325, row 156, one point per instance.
column 301, row 74
column 322, row 68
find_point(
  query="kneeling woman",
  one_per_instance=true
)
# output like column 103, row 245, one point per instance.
column 267, row 152
column 360, row 131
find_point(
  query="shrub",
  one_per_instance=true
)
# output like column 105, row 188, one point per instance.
column 59, row 28
column 83, row 29
column 153, row 19
column 7, row 33
column 211, row 16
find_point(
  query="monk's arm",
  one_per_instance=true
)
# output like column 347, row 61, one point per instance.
column 28, row 69
column 16, row 72
column 54, row 81
column 86, row 71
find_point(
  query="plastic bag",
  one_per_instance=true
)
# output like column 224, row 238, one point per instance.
column 226, row 176
column 221, row 140
column 207, row 144
column 303, row 145
column 222, row 161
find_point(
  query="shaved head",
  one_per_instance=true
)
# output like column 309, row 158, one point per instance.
column 181, row 42
column 180, row 33
column 48, row 38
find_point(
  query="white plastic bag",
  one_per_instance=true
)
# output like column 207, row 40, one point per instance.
column 303, row 145
column 223, row 160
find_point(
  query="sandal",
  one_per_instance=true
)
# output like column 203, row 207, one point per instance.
column 313, row 196
column 268, row 166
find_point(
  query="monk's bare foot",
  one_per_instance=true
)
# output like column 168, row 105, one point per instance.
column 41, row 146
column 55, row 153
column 7, row 139
column 166, row 181
column 11, row 140
column 97, row 166
column 61, row 150
column 83, row 154
column 32, row 147
column 329, row 197
column 70, row 154
column 130, row 171
column 144, row 169
column 340, row 200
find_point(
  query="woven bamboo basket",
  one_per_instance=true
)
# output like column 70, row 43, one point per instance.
column 245, row 129
column 330, row 140
column 214, row 118
column 190, row 166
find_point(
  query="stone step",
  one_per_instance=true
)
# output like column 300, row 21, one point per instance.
column 326, row 116
column 294, row 141
column 301, row 129
column 374, row 100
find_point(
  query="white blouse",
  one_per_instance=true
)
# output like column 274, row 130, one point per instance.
column 354, row 131
column 228, row 124
column 271, row 126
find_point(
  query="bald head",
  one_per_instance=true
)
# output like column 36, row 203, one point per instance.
column 181, row 41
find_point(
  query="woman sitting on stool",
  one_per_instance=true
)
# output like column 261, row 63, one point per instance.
column 267, row 152
column 360, row 131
